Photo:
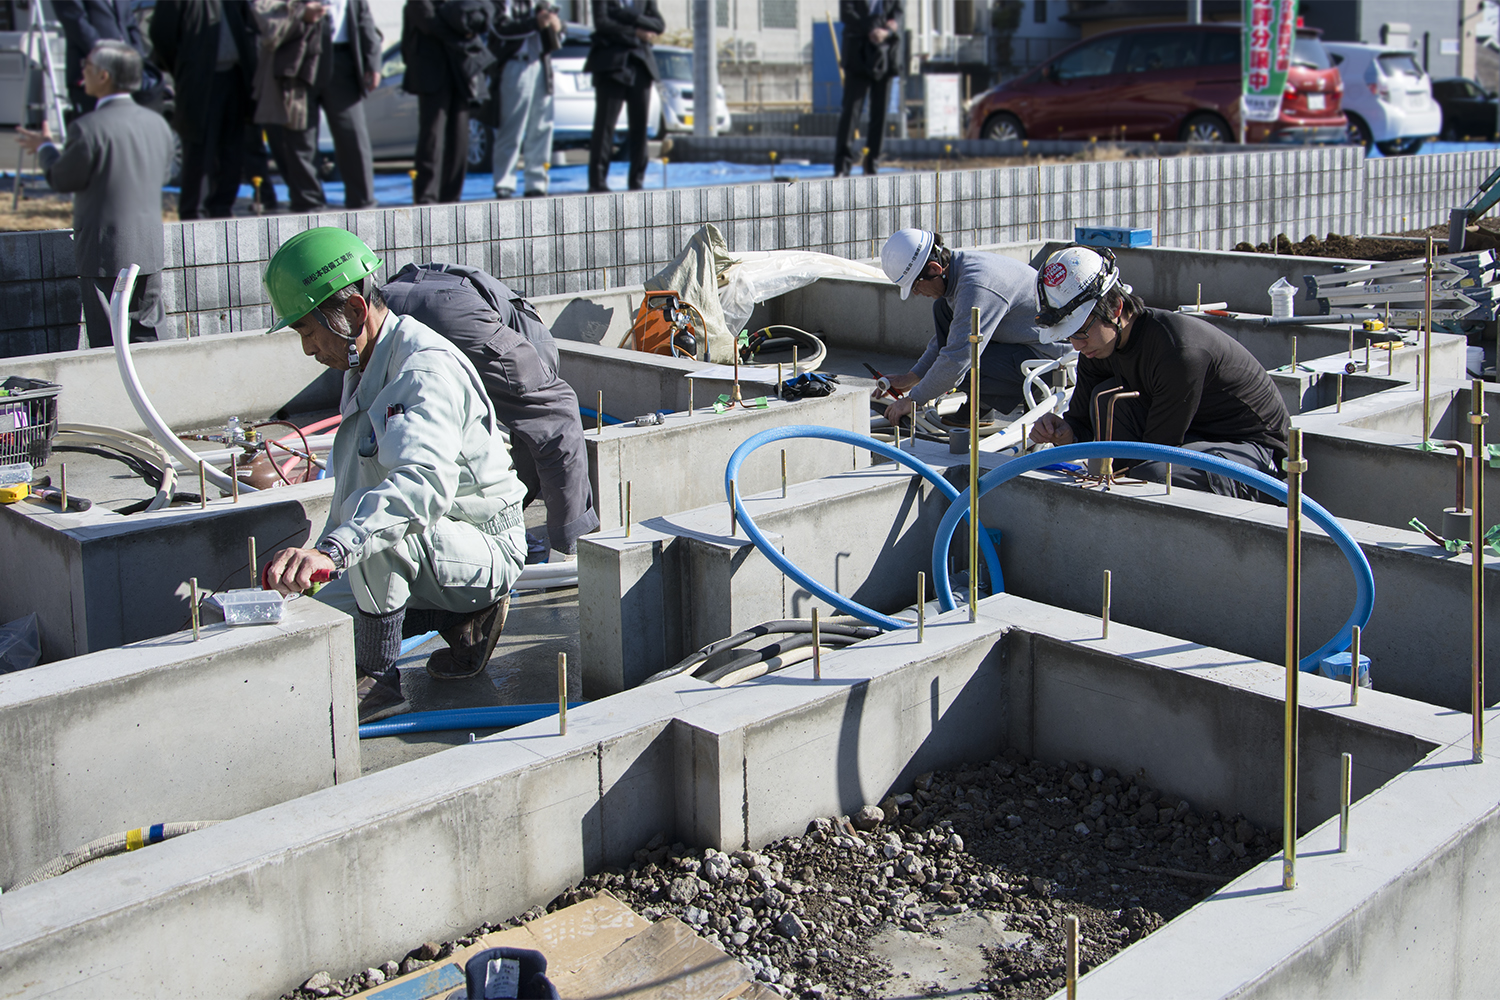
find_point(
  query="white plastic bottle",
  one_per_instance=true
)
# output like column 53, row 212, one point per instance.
column 1282, row 294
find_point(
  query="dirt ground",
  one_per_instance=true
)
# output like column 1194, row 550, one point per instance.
column 45, row 210
column 1487, row 237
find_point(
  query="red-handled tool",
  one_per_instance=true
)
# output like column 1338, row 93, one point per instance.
column 882, row 383
column 319, row 578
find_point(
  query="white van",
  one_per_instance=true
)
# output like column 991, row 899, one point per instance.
column 1387, row 97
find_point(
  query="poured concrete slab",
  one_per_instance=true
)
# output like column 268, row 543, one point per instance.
column 173, row 730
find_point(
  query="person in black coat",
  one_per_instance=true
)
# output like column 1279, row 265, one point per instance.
column 445, row 44
column 210, row 48
column 871, row 56
column 85, row 23
column 624, row 71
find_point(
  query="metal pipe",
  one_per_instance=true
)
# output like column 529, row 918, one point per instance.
column 734, row 520
column 1346, row 765
column 627, row 510
column 1295, row 465
column 202, row 486
column 562, row 694
column 817, row 648
column 1104, row 614
column 1354, row 637
column 783, row 473
column 1072, row 972
column 1338, row 404
column 921, row 605
column 193, row 611
column 1109, row 431
column 62, row 485
column 1427, row 352
column 234, row 477
column 254, row 576
column 974, row 465
column 1169, row 479
column 690, row 397
column 1477, row 419
column 599, row 415
column 1458, row 491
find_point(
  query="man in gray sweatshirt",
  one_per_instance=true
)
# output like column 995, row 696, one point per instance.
column 1004, row 290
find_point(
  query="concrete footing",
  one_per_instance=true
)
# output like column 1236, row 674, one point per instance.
column 173, row 730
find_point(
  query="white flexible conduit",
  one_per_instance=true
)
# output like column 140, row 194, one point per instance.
column 119, row 322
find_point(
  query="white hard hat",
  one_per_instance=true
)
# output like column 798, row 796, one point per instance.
column 905, row 255
column 1068, row 286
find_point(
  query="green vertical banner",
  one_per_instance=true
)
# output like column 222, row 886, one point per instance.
column 1270, row 28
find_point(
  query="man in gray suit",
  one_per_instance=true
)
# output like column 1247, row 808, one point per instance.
column 114, row 163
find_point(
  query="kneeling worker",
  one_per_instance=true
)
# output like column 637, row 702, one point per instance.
column 1199, row 388
column 425, row 530
column 516, row 357
column 1005, row 292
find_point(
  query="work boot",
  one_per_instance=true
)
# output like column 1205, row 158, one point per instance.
column 471, row 643
column 379, row 699
column 960, row 417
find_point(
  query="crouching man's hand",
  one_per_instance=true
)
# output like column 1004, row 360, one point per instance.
column 1051, row 429
column 291, row 571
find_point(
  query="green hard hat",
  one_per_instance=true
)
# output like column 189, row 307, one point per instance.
column 311, row 266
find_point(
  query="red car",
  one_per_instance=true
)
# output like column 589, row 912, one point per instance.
column 1162, row 82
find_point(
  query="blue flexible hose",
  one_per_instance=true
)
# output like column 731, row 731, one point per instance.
column 781, row 562
column 488, row 717
column 1364, row 578
column 593, row 414
column 407, row 645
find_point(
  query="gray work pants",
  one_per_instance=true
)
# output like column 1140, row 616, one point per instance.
column 525, row 126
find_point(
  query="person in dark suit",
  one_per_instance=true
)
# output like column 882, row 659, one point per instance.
column 114, row 163
column 348, row 68
column 445, row 44
column 85, row 23
column 624, row 71
column 210, row 48
column 871, row 56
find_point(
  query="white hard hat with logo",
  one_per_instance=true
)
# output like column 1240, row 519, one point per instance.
column 905, row 255
column 1068, row 287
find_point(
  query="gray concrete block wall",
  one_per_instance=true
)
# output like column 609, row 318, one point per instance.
column 576, row 243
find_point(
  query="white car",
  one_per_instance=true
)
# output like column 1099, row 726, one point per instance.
column 1387, row 97
column 676, row 89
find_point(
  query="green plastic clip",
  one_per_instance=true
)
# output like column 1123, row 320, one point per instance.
column 724, row 399
column 760, row 403
column 1492, row 454
column 720, row 408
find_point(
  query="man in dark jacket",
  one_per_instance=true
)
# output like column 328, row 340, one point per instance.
column 210, row 48
column 516, row 357
column 871, row 56
column 445, row 44
column 85, row 23
column 115, row 163
column 624, row 71
column 348, row 69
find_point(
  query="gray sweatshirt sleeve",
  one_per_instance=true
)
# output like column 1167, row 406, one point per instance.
column 928, row 357
column 952, row 362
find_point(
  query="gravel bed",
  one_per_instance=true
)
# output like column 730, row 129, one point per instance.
column 1030, row 841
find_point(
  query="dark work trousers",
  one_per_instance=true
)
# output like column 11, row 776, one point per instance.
column 343, row 103
column 609, row 95
column 551, row 459
column 146, row 312
column 855, row 89
column 1000, row 378
column 1129, row 425
column 211, row 166
column 442, row 146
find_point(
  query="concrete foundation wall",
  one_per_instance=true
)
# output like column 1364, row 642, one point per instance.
column 357, row 871
column 193, row 384
column 172, row 730
column 212, row 282
column 99, row 579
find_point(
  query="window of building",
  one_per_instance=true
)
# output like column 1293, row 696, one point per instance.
column 1039, row 11
column 721, row 13
column 778, row 14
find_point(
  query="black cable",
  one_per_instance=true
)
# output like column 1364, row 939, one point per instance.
column 781, row 625
column 773, row 650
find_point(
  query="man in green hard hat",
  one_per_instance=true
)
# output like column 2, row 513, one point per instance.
column 425, row 531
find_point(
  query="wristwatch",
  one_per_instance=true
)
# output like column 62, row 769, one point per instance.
column 335, row 551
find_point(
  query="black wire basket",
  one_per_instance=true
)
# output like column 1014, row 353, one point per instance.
column 28, row 420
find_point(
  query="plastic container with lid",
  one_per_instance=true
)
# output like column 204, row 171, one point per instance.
column 1282, row 294
column 251, row 606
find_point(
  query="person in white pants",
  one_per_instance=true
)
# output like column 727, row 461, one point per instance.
column 527, row 34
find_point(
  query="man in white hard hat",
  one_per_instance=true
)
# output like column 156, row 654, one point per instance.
column 1199, row 388
column 1003, row 289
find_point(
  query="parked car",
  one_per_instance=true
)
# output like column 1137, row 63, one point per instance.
column 1387, row 97
column 676, row 87
column 391, row 113
column 1468, row 109
column 1173, row 82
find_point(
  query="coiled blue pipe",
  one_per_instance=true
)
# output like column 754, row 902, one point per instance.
column 593, row 414
column 488, row 717
column 781, row 562
column 1364, row 578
